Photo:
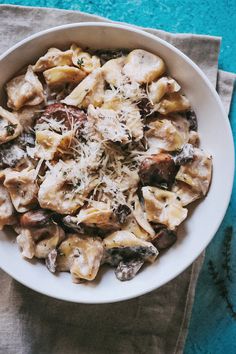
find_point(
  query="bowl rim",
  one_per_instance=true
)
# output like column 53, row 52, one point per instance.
column 230, row 157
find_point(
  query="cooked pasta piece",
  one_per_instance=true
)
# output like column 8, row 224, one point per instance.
column 59, row 191
column 143, row 66
column 172, row 103
column 84, row 60
column 50, row 144
column 24, row 90
column 112, row 71
column 107, row 124
column 76, row 97
column 61, row 75
column 100, row 216
column 53, row 57
column 163, row 207
column 81, row 255
column 54, row 235
column 6, row 208
column 22, row 188
column 168, row 134
column 10, row 127
column 197, row 174
column 123, row 245
column 157, row 89
column 185, row 193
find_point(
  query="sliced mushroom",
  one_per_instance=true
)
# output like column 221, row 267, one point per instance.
column 185, row 155
column 81, row 255
column 192, row 118
column 158, row 89
column 61, row 75
column 197, row 174
column 10, row 127
column 127, row 270
column 124, row 245
column 24, row 90
column 158, row 170
column 163, row 207
column 143, row 66
column 76, row 97
column 69, row 117
column 22, row 188
column 164, row 239
column 6, row 208
column 53, row 57
column 13, row 153
column 172, row 103
column 35, row 218
column 112, row 71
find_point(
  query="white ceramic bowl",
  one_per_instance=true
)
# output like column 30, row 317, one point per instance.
column 216, row 138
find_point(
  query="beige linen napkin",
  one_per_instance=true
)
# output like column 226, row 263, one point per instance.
column 155, row 323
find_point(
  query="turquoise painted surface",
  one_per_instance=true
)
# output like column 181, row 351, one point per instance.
column 212, row 330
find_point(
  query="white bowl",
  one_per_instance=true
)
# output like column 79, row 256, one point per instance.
column 216, row 138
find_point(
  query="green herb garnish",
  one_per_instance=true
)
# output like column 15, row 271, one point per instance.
column 80, row 62
column 10, row 128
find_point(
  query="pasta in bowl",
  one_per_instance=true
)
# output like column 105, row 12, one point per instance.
column 101, row 156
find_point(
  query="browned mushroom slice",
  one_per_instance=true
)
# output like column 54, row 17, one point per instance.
column 185, row 155
column 158, row 170
column 128, row 269
column 69, row 116
column 192, row 118
column 124, row 245
column 164, row 239
column 81, row 255
column 35, row 218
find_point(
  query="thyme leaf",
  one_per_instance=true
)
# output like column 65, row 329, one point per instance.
column 80, row 62
column 10, row 128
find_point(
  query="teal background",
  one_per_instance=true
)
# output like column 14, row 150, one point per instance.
column 212, row 330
